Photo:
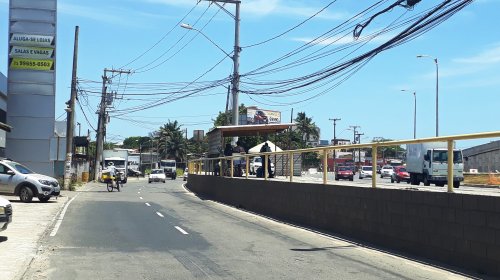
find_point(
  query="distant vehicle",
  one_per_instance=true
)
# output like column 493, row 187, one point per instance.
column 134, row 173
column 386, row 171
column 400, row 174
column 428, row 163
column 119, row 159
column 185, row 176
column 5, row 213
column 365, row 171
column 379, row 168
column 169, row 167
column 344, row 172
column 255, row 163
column 17, row 179
column 157, row 175
column 260, row 117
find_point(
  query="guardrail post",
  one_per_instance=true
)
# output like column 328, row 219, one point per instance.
column 450, row 166
column 325, row 167
column 290, row 158
column 374, row 166
column 247, row 167
column 232, row 168
column 265, row 167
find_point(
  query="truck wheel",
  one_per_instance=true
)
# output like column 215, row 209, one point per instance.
column 392, row 180
column 456, row 184
column 26, row 194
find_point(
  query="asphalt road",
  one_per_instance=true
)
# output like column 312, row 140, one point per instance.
column 161, row 231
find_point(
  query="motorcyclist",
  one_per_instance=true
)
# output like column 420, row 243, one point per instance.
column 112, row 172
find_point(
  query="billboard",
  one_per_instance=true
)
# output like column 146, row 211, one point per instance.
column 261, row 116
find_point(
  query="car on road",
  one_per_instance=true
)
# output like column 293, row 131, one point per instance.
column 255, row 163
column 386, row 171
column 400, row 174
column 5, row 213
column 185, row 175
column 157, row 175
column 133, row 173
column 343, row 172
column 365, row 171
column 17, row 179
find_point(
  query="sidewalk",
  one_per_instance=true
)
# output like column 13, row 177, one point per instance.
column 30, row 222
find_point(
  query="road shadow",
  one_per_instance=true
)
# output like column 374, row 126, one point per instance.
column 3, row 239
column 34, row 201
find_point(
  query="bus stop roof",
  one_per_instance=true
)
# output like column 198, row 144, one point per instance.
column 250, row 130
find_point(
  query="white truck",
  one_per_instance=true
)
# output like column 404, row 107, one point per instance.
column 119, row 159
column 169, row 168
column 428, row 163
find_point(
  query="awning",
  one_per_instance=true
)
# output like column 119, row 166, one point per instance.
column 250, row 130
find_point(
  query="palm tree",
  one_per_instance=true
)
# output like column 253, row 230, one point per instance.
column 171, row 141
column 306, row 126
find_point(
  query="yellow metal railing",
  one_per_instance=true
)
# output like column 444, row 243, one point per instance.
column 196, row 166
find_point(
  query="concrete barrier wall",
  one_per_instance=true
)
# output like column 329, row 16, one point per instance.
column 457, row 229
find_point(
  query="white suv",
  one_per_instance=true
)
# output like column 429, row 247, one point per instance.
column 365, row 171
column 255, row 163
column 17, row 179
column 5, row 213
column 386, row 171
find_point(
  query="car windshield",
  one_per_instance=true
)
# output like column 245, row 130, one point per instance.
column 168, row 163
column 367, row 168
column 157, row 171
column 20, row 168
column 402, row 170
column 387, row 167
column 343, row 169
column 257, row 159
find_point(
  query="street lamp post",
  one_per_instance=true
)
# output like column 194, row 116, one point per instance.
column 414, row 113
column 334, row 137
column 236, row 54
column 437, row 90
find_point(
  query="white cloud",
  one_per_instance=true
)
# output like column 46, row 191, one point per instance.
column 489, row 56
column 270, row 7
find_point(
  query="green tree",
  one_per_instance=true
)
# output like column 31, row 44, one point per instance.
column 306, row 127
column 171, row 142
column 135, row 142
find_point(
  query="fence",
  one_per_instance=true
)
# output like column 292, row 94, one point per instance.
column 209, row 166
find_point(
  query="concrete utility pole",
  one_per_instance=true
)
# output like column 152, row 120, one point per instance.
column 70, row 119
column 101, row 120
column 357, row 135
column 334, row 137
column 354, row 127
column 236, row 56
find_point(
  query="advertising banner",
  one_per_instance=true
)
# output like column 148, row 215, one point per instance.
column 31, row 64
column 32, row 40
column 260, row 116
column 31, row 52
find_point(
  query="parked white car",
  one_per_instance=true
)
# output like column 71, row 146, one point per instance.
column 365, row 171
column 5, row 213
column 157, row 175
column 17, row 179
column 386, row 171
column 255, row 163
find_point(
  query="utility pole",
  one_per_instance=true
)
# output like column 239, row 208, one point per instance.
column 354, row 127
column 236, row 56
column 101, row 120
column 334, row 137
column 70, row 119
column 227, row 105
column 359, row 141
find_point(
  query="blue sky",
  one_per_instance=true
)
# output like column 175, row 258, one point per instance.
column 113, row 33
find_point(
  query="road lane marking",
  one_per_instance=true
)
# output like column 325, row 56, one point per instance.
column 61, row 217
column 160, row 214
column 140, row 197
column 147, row 204
column 138, row 192
column 181, row 230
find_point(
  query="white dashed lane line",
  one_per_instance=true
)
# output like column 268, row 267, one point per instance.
column 140, row 197
column 181, row 230
column 138, row 192
column 160, row 214
column 147, row 204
